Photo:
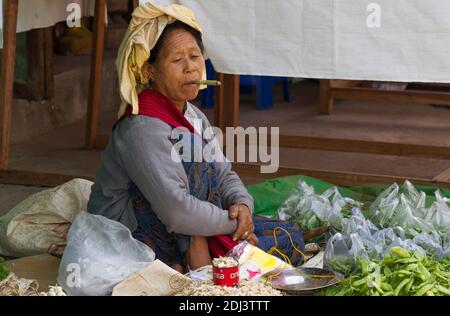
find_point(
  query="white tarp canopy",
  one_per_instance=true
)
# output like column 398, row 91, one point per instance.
column 401, row 40
column 44, row 13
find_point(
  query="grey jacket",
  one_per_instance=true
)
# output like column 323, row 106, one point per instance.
column 139, row 151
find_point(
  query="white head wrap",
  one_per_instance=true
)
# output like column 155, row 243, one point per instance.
column 147, row 23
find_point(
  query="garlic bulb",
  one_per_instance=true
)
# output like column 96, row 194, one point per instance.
column 54, row 291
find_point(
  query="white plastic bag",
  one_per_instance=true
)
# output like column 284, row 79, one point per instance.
column 99, row 254
column 39, row 224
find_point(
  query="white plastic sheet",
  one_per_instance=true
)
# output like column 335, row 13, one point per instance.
column 100, row 253
column 336, row 39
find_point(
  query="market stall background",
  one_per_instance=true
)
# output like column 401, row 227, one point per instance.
column 43, row 13
column 285, row 59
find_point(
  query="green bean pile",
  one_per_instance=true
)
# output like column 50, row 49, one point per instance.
column 400, row 273
column 4, row 271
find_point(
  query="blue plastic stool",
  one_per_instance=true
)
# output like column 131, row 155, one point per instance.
column 263, row 84
column 208, row 93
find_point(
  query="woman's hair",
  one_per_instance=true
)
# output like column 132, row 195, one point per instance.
column 177, row 25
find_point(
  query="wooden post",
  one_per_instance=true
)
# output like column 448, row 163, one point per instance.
column 40, row 63
column 49, row 79
column 135, row 3
column 326, row 99
column 7, row 78
column 96, row 73
column 218, row 107
column 227, row 102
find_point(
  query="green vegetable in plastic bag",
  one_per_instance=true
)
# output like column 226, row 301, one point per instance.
column 310, row 210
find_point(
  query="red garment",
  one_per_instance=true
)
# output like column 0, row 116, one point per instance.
column 157, row 105
column 220, row 245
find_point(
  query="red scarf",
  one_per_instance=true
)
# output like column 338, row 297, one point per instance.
column 157, row 105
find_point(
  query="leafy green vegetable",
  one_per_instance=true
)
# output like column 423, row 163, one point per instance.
column 400, row 273
column 4, row 271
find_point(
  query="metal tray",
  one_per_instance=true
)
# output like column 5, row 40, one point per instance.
column 302, row 280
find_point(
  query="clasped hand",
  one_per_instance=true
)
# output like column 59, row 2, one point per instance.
column 245, row 228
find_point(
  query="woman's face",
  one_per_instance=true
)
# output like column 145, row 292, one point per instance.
column 180, row 62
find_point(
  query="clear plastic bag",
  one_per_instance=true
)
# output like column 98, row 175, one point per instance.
column 382, row 209
column 404, row 207
column 387, row 236
column 310, row 210
column 302, row 207
column 445, row 255
column 358, row 246
column 337, row 256
column 417, row 198
column 99, row 254
column 361, row 233
column 407, row 244
column 360, row 238
column 345, row 205
column 431, row 243
column 365, row 230
column 359, row 224
column 439, row 216
column 406, row 218
column 341, row 252
column 400, row 218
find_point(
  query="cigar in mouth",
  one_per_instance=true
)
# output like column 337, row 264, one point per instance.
column 208, row 82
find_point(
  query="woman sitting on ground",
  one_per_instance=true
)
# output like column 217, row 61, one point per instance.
column 187, row 211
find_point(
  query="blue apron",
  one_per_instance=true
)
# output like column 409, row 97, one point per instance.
column 170, row 248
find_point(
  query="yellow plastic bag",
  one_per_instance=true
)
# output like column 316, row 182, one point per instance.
column 254, row 262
